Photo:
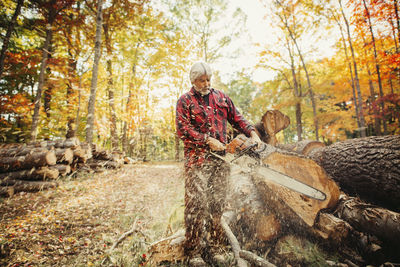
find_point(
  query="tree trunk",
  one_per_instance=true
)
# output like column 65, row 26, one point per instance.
column 110, row 88
column 93, row 87
column 377, row 67
column 10, row 29
column 367, row 167
column 312, row 97
column 358, row 101
column 297, row 95
column 43, row 65
column 353, row 89
column 377, row 121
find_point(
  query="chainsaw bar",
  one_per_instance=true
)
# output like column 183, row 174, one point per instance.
column 289, row 182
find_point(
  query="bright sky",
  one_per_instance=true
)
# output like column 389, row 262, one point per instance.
column 260, row 31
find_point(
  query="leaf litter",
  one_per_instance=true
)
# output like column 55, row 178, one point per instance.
column 77, row 223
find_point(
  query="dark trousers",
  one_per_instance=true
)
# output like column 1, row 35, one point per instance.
column 205, row 193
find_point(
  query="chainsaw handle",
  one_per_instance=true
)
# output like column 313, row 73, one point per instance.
column 261, row 149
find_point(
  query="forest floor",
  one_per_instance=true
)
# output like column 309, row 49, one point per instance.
column 77, row 223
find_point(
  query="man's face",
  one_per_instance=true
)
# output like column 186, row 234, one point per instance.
column 202, row 84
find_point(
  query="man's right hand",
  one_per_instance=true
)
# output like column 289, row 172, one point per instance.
column 215, row 145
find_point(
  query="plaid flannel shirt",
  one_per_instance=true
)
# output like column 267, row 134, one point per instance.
column 195, row 122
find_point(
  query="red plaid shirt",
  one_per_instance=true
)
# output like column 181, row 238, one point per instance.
column 195, row 122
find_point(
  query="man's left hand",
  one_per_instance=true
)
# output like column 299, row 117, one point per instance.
column 255, row 139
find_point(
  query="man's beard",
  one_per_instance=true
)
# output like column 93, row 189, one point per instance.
column 203, row 91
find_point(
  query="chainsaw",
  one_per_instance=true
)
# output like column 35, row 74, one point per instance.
column 259, row 168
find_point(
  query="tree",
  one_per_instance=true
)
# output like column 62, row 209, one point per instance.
column 51, row 17
column 93, row 87
column 10, row 29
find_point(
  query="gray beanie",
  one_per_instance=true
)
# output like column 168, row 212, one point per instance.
column 199, row 69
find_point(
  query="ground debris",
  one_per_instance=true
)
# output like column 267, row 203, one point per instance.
column 77, row 223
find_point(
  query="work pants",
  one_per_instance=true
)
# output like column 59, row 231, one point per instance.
column 205, row 196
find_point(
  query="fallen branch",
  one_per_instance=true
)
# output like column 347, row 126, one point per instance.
column 125, row 235
column 233, row 241
column 255, row 259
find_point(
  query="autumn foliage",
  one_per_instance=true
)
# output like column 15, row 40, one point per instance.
column 350, row 89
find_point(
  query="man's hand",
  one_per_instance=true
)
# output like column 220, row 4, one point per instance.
column 214, row 144
column 255, row 139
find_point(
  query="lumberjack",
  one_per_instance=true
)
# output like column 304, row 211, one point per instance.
column 201, row 121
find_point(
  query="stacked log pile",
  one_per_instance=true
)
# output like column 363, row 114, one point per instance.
column 359, row 219
column 37, row 166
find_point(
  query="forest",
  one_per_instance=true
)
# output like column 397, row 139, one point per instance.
column 110, row 72
column 91, row 167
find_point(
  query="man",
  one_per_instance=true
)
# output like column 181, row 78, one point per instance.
column 201, row 121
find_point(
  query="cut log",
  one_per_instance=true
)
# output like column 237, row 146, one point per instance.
column 61, row 168
column 20, row 151
column 272, row 122
column 29, row 161
column 304, row 147
column 41, row 173
column 365, row 167
column 286, row 204
column 382, row 223
column 64, row 155
column 26, row 186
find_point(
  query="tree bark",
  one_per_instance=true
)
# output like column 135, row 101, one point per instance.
column 93, row 87
column 10, row 29
column 382, row 223
column 367, row 167
column 110, row 88
column 29, row 161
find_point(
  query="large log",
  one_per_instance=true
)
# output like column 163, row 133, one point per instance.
column 287, row 204
column 304, row 147
column 365, row 167
column 41, row 173
column 382, row 223
column 21, row 150
column 26, row 186
column 29, row 161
